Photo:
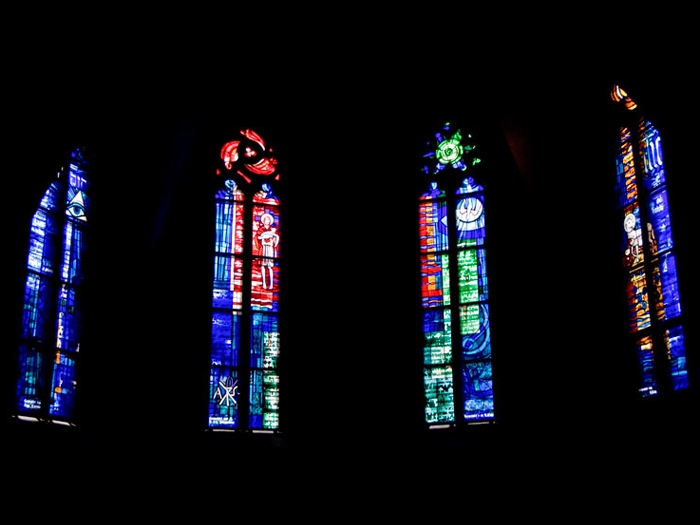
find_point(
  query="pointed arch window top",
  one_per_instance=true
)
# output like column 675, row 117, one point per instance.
column 250, row 157
column 620, row 95
column 451, row 149
column 469, row 186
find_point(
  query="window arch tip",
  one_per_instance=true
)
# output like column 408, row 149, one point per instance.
column 617, row 94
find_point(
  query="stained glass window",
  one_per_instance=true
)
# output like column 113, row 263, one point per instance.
column 648, row 256
column 244, row 380
column 457, row 369
column 52, row 315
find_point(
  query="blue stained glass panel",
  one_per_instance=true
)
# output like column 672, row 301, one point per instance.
column 72, row 253
column 37, row 293
column 51, row 316
column 652, row 155
column 478, row 390
column 469, row 215
column 229, row 220
column 652, row 287
column 77, row 178
column 223, row 397
column 264, row 341
column 51, row 197
column 645, row 355
column 42, row 243
column 675, row 343
column 226, row 338
column 30, row 381
column 666, row 285
column 68, row 326
column 437, row 333
column 475, row 330
column 659, row 231
column 63, row 386
column 256, row 399
column 227, row 291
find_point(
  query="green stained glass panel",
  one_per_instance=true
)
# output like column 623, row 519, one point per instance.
column 437, row 326
column 471, row 275
column 439, row 394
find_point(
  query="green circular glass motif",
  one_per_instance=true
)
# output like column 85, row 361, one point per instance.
column 449, row 151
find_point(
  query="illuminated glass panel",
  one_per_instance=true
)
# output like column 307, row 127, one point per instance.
column 245, row 336
column 638, row 301
column 454, row 285
column 264, row 283
column 473, row 285
column 52, row 314
column 435, row 280
column 652, row 156
column 264, row 394
column 433, row 221
column 63, row 385
column 437, row 330
column 439, row 396
column 226, row 338
column 675, row 345
column 645, row 356
column 475, row 331
column 634, row 248
column 659, row 227
column 478, row 391
column 668, row 303
column 223, row 397
column 626, row 176
column 264, row 399
column 31, row 385
column 469, row 215
column 653, row 295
